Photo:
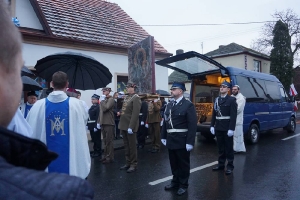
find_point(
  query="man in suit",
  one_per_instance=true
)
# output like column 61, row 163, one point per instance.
column 129, row 124
column 178, row 135
column 94, row 128
column 223, row 125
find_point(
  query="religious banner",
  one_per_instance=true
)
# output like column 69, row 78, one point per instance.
column 141, row 69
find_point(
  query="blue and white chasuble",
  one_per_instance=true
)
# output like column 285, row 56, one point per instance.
column 58, row 134
column 27, row 109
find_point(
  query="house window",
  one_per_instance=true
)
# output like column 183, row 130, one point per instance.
column 121, row 83
column 257, row 65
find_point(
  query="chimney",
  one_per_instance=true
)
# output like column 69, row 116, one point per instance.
column 179, row 51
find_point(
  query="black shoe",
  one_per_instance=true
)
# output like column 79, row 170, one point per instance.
column 95, row 155
column 218, row 168
column 181, row 191
column 140, row 146
column 124, row 167
column 150, row 150
column 228, row 171
column 171, row 186
column 131, row 169
column 155, row 151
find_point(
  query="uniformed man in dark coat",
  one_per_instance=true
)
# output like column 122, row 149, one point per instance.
column 142, row 131
column 178, row 134
column 223, row 126
column 93, row 128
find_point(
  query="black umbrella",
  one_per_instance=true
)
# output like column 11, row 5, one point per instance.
column 84, row 72
column 163, row 93
column 203, row 94
column 26, row 72
column 29, row 84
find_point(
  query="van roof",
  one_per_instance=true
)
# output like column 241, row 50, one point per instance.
column 242, row 72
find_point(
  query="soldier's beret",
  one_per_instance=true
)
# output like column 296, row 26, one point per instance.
column 106, row 89
column 130, row 84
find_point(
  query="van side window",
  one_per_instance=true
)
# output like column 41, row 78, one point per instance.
column 253, row 89
column 273, row 91
column 283, row 95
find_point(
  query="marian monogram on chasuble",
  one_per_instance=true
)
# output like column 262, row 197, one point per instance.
column 57, row 134
column 126, row 101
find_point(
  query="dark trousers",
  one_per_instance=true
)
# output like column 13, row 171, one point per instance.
column 180, row 166
column 154, row 132
column 225, row 146
column 130, row 148
column 141, row 134
column 96, row 137
column 117, row 134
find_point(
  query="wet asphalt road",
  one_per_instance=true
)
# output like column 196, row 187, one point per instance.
column 269, row 170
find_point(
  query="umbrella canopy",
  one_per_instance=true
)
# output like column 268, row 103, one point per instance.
column 203, row 94
column 163, row 93
column 29, row 84
column 84, row 72
column 26, row 72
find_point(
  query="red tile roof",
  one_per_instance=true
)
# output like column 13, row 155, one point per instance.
column 95, row 21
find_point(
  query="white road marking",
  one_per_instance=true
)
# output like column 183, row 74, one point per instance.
column 291, row 137
column 191, row 171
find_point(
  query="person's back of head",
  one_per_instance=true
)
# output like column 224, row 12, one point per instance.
column 60, row 81
column 10, row 66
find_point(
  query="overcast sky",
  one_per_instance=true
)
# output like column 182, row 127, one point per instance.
column 148, row 12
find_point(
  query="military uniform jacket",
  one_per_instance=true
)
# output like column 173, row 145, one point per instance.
column 183, row 116
column 130, row 113
column 154, row 112
column 144, row 111
column 228, row 107
column 93, row 116
column 107, row 116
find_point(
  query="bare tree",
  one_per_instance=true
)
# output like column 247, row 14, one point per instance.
column 264, row 44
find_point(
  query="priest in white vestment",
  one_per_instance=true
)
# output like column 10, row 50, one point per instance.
column 238, row 137
column 31, row 99
column 59, row 121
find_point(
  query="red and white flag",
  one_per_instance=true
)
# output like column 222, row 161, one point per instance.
column 293, row 91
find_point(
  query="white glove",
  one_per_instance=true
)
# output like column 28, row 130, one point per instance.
column 155, row 100
column 129, row 131
column 230, row 133
column 98, row 126
column 95, row 130
column 146, row 125
column 164, row 141
column 102, row 97
column 161, row 122
column 142, row 123
column 189, row 147
column 212, row 130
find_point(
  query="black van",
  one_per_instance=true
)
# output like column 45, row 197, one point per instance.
column 267, row 103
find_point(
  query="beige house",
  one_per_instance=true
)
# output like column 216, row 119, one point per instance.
column 233, row 55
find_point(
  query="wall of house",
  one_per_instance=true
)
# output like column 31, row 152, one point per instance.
column 239, row 61
column 26, row 15
column 117, row 64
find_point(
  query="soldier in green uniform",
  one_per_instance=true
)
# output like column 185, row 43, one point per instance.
column 153, row 120
column 129, row 124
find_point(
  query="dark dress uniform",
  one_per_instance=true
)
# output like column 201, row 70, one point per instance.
column 142, row 131
column 179, row 128
column 224, row 119
column 95, row 135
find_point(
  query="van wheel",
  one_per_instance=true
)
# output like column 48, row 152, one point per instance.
column 253, row 133
column 291, row 127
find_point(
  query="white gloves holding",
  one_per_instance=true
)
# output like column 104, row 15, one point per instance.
column 189, row 147
column 142, row 123
column 95, row 130
column 98, row 126
column 212, row 130
column 146, row 125
column 102, row 97
column 230, row 133
column 129, row 131
column 155, row 100
column 162, row 122
column 164, row 141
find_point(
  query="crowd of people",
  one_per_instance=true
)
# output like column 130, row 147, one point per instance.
column 44, row 141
